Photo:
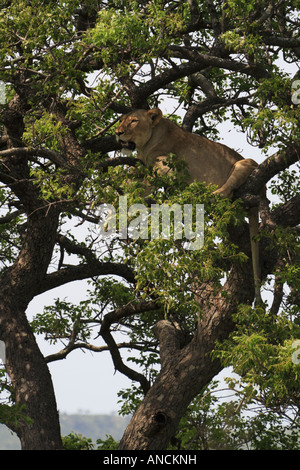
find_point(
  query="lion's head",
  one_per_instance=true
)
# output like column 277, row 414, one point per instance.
column 135, row 128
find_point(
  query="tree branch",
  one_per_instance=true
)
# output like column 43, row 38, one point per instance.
column 207, row 60
column 31, row 152
column 169, row 341
column 284, row 42
column 194, row 9
column 85, row 271
column 142, row 92
column 288, row 214
column 63, row 353
column 102, row 145
column 214, row 15
column 116, row 161
column 115, row 316
column 269, row 168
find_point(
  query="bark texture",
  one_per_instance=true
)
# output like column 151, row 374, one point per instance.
column 185, row 371
column 26, row 366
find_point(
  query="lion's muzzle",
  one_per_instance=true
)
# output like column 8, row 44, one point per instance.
column 127, row 145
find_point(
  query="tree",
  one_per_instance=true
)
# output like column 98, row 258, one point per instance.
column 70, row 70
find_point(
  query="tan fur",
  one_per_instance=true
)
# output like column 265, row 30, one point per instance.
column 155, row 137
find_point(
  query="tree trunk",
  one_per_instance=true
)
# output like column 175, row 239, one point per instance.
column 31, row 380
column 156, row 420
column 185, row 371
column 26, row 366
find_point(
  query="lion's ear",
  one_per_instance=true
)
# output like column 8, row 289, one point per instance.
column 155, row 115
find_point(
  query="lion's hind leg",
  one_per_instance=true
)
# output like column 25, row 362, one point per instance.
column 239, row 173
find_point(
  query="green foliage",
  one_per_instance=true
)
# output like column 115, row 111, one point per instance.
column 249, row 44
column 67, row 320
column 13, row 415
column 108, row 444
column 130, row 399
column 45, row 131
column 75, row 441
column 132, row 30
column 93, row 75
column 286, row 241
column 165, row 268
column 63, row 320
column 37, row 28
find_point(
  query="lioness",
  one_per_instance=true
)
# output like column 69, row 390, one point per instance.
column 155, row 137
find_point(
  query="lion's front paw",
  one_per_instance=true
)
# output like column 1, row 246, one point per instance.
column 223, row 192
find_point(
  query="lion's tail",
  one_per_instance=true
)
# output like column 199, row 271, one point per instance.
column 253, row 228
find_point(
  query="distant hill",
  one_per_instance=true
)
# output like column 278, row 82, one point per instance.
column 92, row 426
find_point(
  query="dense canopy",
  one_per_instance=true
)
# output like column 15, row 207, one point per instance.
column 69, row 70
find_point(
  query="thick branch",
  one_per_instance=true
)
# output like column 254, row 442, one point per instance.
column 215, row 22
column 102, row 145
column 269, row 168
column 142, row 92
column 169, row 341
column 206, row 60
column 127, row 311
column 84, row 271
column 193, row 6
column 116, row 316
column 9, row 217
column 196, row 63
column 284, row 42
column 288, row 214
column 184, row 375
column 31, row 152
